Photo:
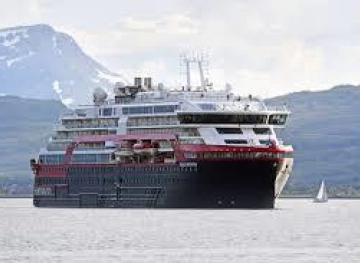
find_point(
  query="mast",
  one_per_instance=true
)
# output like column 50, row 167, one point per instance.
column 188, row 80
column 201, row 62
column 202, row 79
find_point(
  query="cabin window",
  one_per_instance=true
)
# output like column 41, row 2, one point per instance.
column 137, row 110
column 164, row 108
column 266, row 131
column 229, row 130
column 264, row 142
column 236, row 141
column 207, row 106
column 51, row 158
column 107, row 111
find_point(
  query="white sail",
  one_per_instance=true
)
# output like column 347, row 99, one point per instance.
column 322, row 195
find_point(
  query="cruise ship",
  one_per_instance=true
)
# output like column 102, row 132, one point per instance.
column 153, row 146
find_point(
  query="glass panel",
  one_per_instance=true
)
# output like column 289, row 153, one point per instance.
column 164, row 108
column 229, row 130
column 278, row 119
column 207, row 106
column 262, row 131
column 222, row 118
column 236, row 141
column 107, row 111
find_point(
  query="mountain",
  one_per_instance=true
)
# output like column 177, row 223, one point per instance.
column 25, row 125
column 324, row 130
column 39, row 62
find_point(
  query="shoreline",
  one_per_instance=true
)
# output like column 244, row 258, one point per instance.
column 280, row 197
column 312, row 197
column 16, row 196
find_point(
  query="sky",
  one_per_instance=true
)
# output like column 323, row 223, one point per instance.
column 264, row 48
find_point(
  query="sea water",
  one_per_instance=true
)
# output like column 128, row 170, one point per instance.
column 298, row 230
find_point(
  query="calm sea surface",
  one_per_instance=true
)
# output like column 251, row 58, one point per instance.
column 297, row 231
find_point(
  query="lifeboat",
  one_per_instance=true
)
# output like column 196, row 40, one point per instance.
column 124, row 149
column 149, row 148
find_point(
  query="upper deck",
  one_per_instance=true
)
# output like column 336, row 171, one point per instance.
column 197, row 114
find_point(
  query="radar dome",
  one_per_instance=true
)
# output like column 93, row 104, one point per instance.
column 99, row 96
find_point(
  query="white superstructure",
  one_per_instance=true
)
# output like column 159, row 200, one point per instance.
column 200, row 115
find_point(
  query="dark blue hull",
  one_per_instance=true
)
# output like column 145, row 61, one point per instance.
column 215, row 184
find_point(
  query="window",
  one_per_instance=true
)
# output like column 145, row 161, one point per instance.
column 137, row 110
column 278, row 119
column 164, row 108
column 207, row 106
column 236, row 141
column 264, row 142
column 51, row 158
column 229, row 130
column 90, row 158
column 107, row 111
column 262, row 131
column 222, row 118
column 125, row 111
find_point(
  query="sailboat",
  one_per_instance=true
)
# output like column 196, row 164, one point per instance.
column 322, row 195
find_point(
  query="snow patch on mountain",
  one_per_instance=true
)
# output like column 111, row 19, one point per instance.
column 20, row 30
column 11, row 41
column 50, row 65
column 69, row 102
column 12, row 37
column 66, row 101
column 56, row 87
column 12, row 61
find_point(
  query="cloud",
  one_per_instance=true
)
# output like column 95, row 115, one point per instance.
column 267, row 47
column 133, row 35
column 169, row 24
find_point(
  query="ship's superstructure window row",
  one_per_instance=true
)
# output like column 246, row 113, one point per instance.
column 198, row 140
column 61, row 146
column 152, row 121
column 76, row 158
column 229, row 130
column 90, row 158
column 236, row 141
column 222, row 119
column 90, row 123
column 149, row 109
column 180, row 131
column 111, row 170
column 67, row 135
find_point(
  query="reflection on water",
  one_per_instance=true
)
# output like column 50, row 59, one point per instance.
column 297, row 230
